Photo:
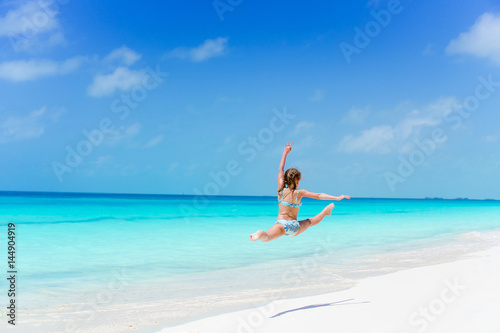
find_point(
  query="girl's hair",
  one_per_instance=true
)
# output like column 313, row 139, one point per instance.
column 290, row 179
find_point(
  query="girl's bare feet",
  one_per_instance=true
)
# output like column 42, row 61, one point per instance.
column 256, row 235
column 328, row 209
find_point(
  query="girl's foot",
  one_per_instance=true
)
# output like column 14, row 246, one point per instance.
column 256, row 235
column 328, row 209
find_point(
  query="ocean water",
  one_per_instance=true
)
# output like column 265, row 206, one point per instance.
column 82, row 258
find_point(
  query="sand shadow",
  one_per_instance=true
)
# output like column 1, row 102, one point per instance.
column 319, row 306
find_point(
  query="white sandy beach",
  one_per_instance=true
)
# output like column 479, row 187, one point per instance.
column 460, row 296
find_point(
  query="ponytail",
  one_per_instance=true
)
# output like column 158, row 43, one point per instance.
column 282, row 186
column 290, row 179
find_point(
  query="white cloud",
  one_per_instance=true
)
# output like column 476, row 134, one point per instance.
column 173, row 166
column 351, row 170
column 373, row 3
column 123, row 133
column 208, row 49
column 356, row 115
column 302, row 132
column 373, row 140
column 303, row 126
column 27, row 127
column 56, row 38
column 431, row 115
column 123, row 55
column 101, row 161
column 104, row 165
column 308, row 141
column 122, row 79
column 318, row 96
column 156, row 140
column 193, row 166
column 32, row 24
column 428, row 50
column 225, row 145
column 385, row 139
column 491, row 138
column 29, row 18
column 27, row 70
column 482, row 39
column 133, row 130
column 71, row 65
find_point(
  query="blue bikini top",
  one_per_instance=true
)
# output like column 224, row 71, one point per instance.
column 289, row 204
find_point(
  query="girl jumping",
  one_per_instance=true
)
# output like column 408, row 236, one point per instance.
column 289, row 197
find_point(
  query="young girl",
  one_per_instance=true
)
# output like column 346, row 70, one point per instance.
column 289, row 197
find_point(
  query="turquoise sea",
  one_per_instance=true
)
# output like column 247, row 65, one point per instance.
column 82, row 258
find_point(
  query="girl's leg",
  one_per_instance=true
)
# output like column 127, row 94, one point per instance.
column 276, row 231
column 304, row 224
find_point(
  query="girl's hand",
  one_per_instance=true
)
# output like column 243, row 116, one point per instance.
column 345, row 196
column 288, row 148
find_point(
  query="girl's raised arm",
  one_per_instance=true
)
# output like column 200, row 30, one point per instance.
column 281, row 173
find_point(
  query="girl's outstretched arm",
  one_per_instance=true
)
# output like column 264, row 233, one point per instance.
column 281, row 173
column 323, row 196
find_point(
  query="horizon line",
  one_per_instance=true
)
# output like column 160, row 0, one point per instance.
column 229, row 195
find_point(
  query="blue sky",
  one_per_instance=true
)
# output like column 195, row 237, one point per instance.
column 381, row 98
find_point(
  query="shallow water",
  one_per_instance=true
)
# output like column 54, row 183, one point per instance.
column 85, row 254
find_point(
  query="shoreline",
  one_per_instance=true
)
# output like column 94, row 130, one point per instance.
column 433, row 251
column 158, row 308
column 433, row 298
